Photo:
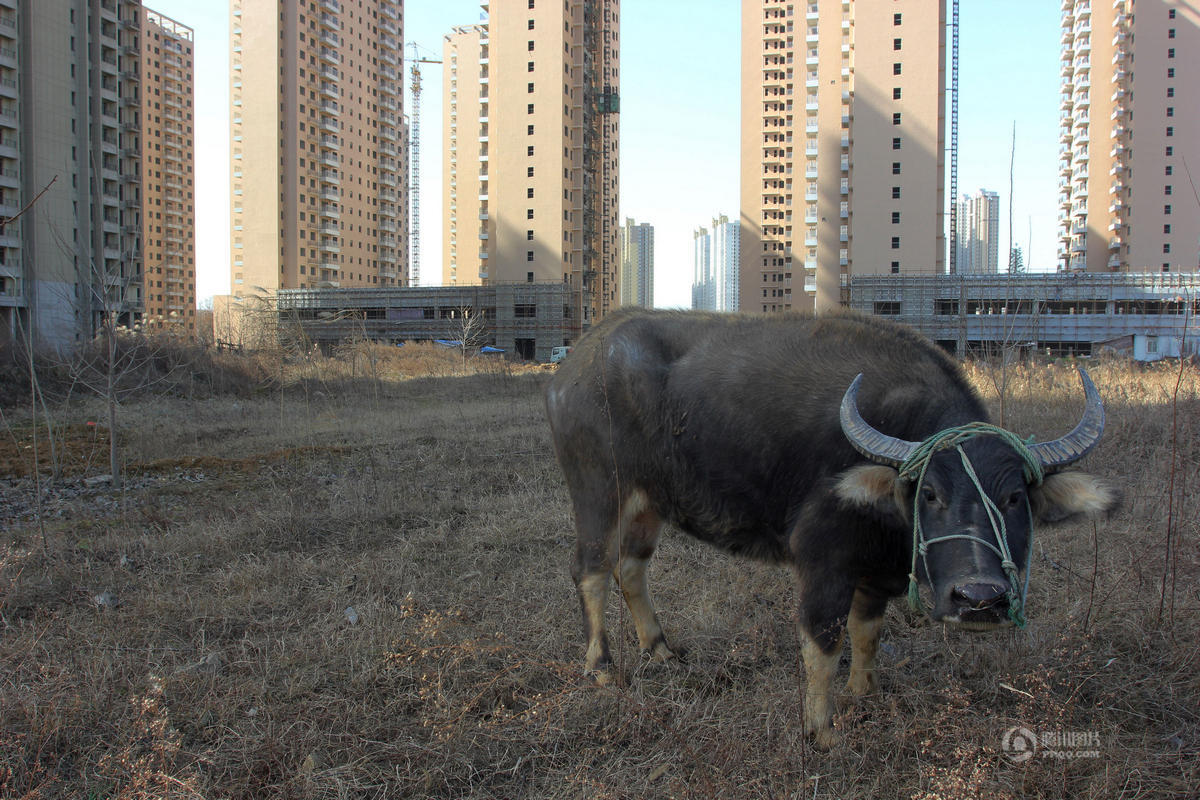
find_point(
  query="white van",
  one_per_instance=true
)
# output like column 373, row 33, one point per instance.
column 557, row 354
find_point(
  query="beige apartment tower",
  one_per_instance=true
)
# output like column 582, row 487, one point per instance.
column 168, row 185
column 530, row 170
column 1126, row 204
column 70, row 137
column 319, row 171
column 842, row 146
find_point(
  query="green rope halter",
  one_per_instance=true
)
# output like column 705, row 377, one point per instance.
column 914, row 468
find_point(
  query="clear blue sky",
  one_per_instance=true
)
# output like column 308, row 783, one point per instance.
column 1008, row 73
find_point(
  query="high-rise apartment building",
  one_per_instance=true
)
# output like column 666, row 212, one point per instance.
column 716, row 266
column 637, row 264
column 703, row 284
column 168, row 187
column 70, row 139
column 530, row 166
column 842, row 146
column 978, row 227
column 1127, row 204
column 319, row 179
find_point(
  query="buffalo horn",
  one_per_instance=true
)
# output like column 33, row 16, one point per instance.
column 878, row 447
column 1075, row 445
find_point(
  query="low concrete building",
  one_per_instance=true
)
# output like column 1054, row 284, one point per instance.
column 1146, row 315
column 526, row 320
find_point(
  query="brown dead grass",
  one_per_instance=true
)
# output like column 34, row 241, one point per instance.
column 229, row 667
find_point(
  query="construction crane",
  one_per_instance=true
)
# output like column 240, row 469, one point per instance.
column 414, row 162
column 954, row 231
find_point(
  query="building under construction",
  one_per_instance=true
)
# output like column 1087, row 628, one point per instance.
column 1147, row 315
column 524, row 319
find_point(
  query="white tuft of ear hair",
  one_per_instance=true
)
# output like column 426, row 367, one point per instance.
column 1067, row 494
column 868, row 485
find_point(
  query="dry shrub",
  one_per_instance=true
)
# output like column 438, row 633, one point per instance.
column 229, row 665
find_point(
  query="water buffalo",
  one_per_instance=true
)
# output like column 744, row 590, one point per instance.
column 753, row 434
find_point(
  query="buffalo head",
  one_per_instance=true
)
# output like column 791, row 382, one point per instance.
column 971, row 503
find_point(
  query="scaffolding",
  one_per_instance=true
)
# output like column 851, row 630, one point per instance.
column 525, row 319
column 1058, row 313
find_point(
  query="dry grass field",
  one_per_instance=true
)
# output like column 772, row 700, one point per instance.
column 356, row 586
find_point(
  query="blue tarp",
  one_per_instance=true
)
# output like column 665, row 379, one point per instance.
column 487, row 348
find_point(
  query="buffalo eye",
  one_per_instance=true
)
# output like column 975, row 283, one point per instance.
column 929, row 496
column 1013, row 499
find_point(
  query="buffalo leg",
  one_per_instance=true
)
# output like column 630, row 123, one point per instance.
column 637, row 546
column 596, row 524
column 864, row 624
column 824, row 606
column 820, row 667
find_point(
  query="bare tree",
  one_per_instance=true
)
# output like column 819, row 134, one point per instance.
column 469, row 329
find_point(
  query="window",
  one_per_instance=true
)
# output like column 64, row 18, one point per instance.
column 895, row 167
column 529, row 87
column 529, row 130
column 895, row 217
column 896, row 68
column 529, row 192
column 529, row 255
column 896, row 118
column 531, row 45
column 529, row 151
column 895, row 242
column 1170, row 72
column 895, row 192
column 530, row 26
column 1152, row 342
column 1170, row 169
column 1170, row 33
column 1167, row 189
column 531, row 66
column 886, row 307
column 896, row 93
column 529, row 108
column 1170, row 131
column 1171, row 13
column 1166, row 267
column 1170, row 150
column 529, row 213
column 1167, row 248
column 1167, row 210
column 1170, row 111
column 895, row 19
column 1170, row 52
column 529, row 235
column 896, row 43
column 1170, row 91
column 531, row 3
column 529, row 172
column 895, row 267
column 1166, row 228
column 895, row 142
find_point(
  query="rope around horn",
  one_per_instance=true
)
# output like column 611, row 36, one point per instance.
column 913, row 469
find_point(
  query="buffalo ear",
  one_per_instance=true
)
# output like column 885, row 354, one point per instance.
column 869, row 486
column 1066, row 495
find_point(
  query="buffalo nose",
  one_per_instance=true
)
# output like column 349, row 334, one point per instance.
column 981, row 595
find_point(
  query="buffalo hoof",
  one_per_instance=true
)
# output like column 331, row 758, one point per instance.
column 659, row 653
column 826, row 739
column 862, row 683
column 602, row 677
